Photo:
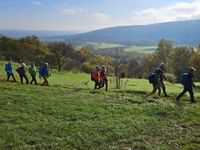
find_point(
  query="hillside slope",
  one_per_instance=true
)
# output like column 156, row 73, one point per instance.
column 69, row 115
column 182, row 32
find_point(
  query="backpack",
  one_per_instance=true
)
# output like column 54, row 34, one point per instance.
column 184, row 78
column 92, row 77
column 19, row 70
column 152, row 78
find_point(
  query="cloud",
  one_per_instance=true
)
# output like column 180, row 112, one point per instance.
column 74, row 11
column 85, row 13
column 36, row 3
column 100, row 16
column 177, row 12
column 87, row 19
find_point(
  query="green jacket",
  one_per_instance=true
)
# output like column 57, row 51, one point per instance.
column 32, row 71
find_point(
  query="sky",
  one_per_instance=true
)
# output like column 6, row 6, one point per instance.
column 88, row 15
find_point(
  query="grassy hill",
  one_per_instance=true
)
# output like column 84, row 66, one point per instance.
column 69, row 115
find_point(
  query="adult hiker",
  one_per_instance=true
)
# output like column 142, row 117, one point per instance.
column 162, row 78
column 9, row 71
column 22, row 73
column 33, row 71
column 154, row 79
column 187, row 81
column 103, row 76
column 96, row 77
column 45, row 73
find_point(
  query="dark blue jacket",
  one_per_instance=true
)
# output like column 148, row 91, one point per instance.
column 189, row 83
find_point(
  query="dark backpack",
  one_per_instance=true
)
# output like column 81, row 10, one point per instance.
column 19, row 70
column 184, row 78
column 152, row 78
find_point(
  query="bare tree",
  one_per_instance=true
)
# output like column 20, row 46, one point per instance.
column 61, row 51
column 119, row 65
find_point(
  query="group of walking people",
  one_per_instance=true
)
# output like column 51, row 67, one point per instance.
column 99, row 77
column 157, row 80
column 32, row 70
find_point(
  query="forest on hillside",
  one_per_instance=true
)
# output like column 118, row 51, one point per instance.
column 64, row 56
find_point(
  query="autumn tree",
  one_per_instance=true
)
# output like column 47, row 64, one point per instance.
column 195, row 62
column 179, row 59
column 163, row 50
column 133, row 68
column 149, row 64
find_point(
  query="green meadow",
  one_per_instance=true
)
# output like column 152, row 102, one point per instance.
column 100, row 45
column 141, row 49
column 69, row 114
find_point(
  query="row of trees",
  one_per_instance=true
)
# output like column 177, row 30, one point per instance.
column 118, row 62
column 177, row 58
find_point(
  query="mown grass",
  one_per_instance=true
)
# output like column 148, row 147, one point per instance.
column 70, row 115
column 101, row 45
column 141, row 49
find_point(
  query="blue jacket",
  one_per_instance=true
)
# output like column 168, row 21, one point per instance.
column 44, row 71
column 8, row 68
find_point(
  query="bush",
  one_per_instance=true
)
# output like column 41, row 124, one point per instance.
column 87, row 67
column 170, row 77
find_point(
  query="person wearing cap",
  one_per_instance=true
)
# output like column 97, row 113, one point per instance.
column 103, row 76
column 188, row 85
column 45, row 73
column 156, row 84
column 22, row 73
column 9, row 71
column 162, row 78
column 33, row 72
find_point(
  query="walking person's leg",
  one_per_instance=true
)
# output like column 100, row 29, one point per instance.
column 154, row 89
column 13, row 77
column 191, row 95
column 106, row 86
column 164, row 89
column 26, row 79
column 46, row 83
column 96, row 84
column 8, row 76
column 34, row 79
column 21, row 78
column 181, row 94
column 31, row 80
column 159, row 90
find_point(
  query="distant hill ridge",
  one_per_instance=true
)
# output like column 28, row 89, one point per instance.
column 181, row 32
